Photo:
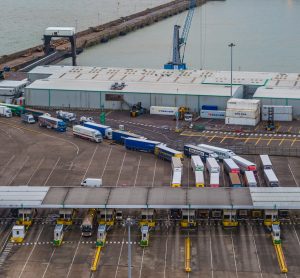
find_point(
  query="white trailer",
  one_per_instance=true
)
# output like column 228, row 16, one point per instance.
column 176, row 164
column 221, row 152
column 87, row 133
column 214, row 179
column 60, row 31
column 270, row 178
column 199, row 179
column 163, row 110
column 176, row 179
column 265, row 161
column 244, row 164
column 250, row 179
column 5, row 112
column 212, row 165
column 230, row 166
column 196, row 163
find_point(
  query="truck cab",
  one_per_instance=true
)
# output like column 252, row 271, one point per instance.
column 27, row 118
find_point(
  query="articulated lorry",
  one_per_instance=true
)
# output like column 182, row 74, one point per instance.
column 5, row 112
column 50, row 122
column 87, row 133
column 106, row 131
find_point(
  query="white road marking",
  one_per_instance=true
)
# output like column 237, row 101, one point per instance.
column 42, row 160
column 51, row 171
column 12, row 179
column 137, row 171
column 141, row 268
column 154, row 172
column 211, row 256
column 235, row 264
column 188, row 175
column 7, row 163
column 70, row 267
column 30, row 254
column 121, row 169
column 86, row 171
column 48, row 263
column 296, row 235
column 166, row 254
column 293, row 175
column 256, row 253
column 106, row 162
column 6, row 132
column 119, row 259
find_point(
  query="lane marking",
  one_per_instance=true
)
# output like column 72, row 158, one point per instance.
column 30, row 254
column 188, row 175
column 7, row 163
column 154, row 172
column 137, row 171
column 296, row 182
column 39, row 165
column 70, row 267
column 256, row 253
column 48, row 263
column 51, row 171
column 141, row 267
column 86, row 171
column 293, row 142
column 211, row 138
column 271, row 139
column 282, row 140
column 166, row 253
column 211, row 255
column 258, row 140
column 119, row 259
column 121, row 169
column 107, row 159
column 234, row 256
column 19, row 170
column 223, row 139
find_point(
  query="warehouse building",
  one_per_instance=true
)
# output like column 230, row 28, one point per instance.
column 119, row 88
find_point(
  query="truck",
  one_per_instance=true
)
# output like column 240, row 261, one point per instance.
column 15, row 109
column 212, row 165
column 87, row 133
column 106, row 131
column 176, row 164
column 163, row 110
column 176, row 179
column 230, row 166
column 234, row 180
column 214, row 179
column 35, row 113
column 190, row 150
column 27, row 118
column 50, row 122
column 142, row 145
column 265, row 161
column 244, row 164
column 66, row 116
column 166, row 153
column 196, row 163
column 119, row 136
column 91, row 182
column 270, row 178
column 199, row 179
column 5, row 112
column 250, row 179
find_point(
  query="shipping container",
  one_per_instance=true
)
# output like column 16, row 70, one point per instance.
column 105, row 130
column 60, row 31
column 142, row 145
column 265, row 161
column 87, row 133
column 120, row 135
column 176, row 164
column 209, row 107
column 176, row 179
column 230, row 166
column 278, row 117
column 250, row 179
column 164, row 152
column 214, row 179
column 221, row 152
column 241, row 121
column 163, row 110
column 278, row 109
column 243, row 113
column 212, row 165
column 212, row 114
column 244, row 164
column 199, row 179
column 196, row 163
column 270, row 178
column 237, row 103
column 190, row 150
column 50, row 122
column 234, row 180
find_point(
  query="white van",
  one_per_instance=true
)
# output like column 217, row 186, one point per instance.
column 89, row 182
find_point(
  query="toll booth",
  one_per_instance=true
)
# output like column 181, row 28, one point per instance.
column 148, row 218
column 229, row 218
column 107, row 217
column 243, row 214
column 283, row 214
column 271, row 217
column 18, row 233
column 145, row 236
column 257, row 214
column 216, row 214
column 203, row 214
column 188, row 219
column 58, row 234
column 66, row 216
column 25, row 217
column 119, row 216
column 276, row 234
column 101, row 235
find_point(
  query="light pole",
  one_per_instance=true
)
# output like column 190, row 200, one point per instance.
column 129, row 222
column 231, row 45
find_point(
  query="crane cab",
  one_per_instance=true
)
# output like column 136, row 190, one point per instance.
column 276, row 234
column 58, row 234
column 148, row 218
column 271, row 217
column 229, row 218
column 18, row 233
column 188, row 219
column 25, row 217
column 107, row 217
column 101, row 235
column 66, row 216
column 145, row 236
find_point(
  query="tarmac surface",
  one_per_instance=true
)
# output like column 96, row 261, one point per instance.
column 40, row 157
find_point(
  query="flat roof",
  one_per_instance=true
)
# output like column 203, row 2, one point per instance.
column 277, row 92
column 13, row 83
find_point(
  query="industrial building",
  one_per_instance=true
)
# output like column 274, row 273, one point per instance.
column 119, row 88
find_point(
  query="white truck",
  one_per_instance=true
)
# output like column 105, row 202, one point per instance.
column 197, row 164
column 176, row 164
column 90, row 182
column 87, row 133
column 27, row 118
column 212, row 165
column 5, row 111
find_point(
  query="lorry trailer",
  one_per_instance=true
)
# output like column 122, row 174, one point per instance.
column 106, row 131
column 230, row 166
column 221, row 152
column 176, row 164
column 163, row 110
column 190, row 150
column 176, row 179
column 142, row 145
column 50, row 122
column 87, row 133
column 270, row 178
column 119, row 136
column 5, row 112
column 214, row 179
column 164, row 152
column 199, row 178
column 212, row 165
column 234, row 180
column 265, row 161
column 196, row 163
column 250, row 179
column 244, row 164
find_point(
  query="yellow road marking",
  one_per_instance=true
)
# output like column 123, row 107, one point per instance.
column 258, row 141
column 223, row 139
column 278, row 128
column 282, row 140
column 270, row 140
column 211, row 138
column 290, row 129
column 293, row 142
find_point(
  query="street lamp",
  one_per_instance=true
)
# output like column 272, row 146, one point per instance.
column 129, row 222
column 231, row 45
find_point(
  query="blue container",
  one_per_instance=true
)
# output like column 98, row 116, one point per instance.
column 209, row 107
column 119, row 136
column 141, row 145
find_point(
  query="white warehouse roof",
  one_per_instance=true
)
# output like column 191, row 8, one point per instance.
column 277, row 92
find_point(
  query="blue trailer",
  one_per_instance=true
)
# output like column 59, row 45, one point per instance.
column 105, row 130
column 119, row 136
column 166, row 153
column 141, row 145
column 209, row 107
column 54, row 123
column 190, row 150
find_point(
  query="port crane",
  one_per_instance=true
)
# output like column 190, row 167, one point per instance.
column 180, row 41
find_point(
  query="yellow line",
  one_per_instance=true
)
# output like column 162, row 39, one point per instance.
column 223, row 139
column 290, row 128
column 258, row 141
column 282, row 140
column 96, row 259
column 211, row 138
column 293, row 142
column 187, row 255
column 278, row 128
column 270, row 141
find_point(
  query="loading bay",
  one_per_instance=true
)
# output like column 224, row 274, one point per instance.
column 40, row 157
